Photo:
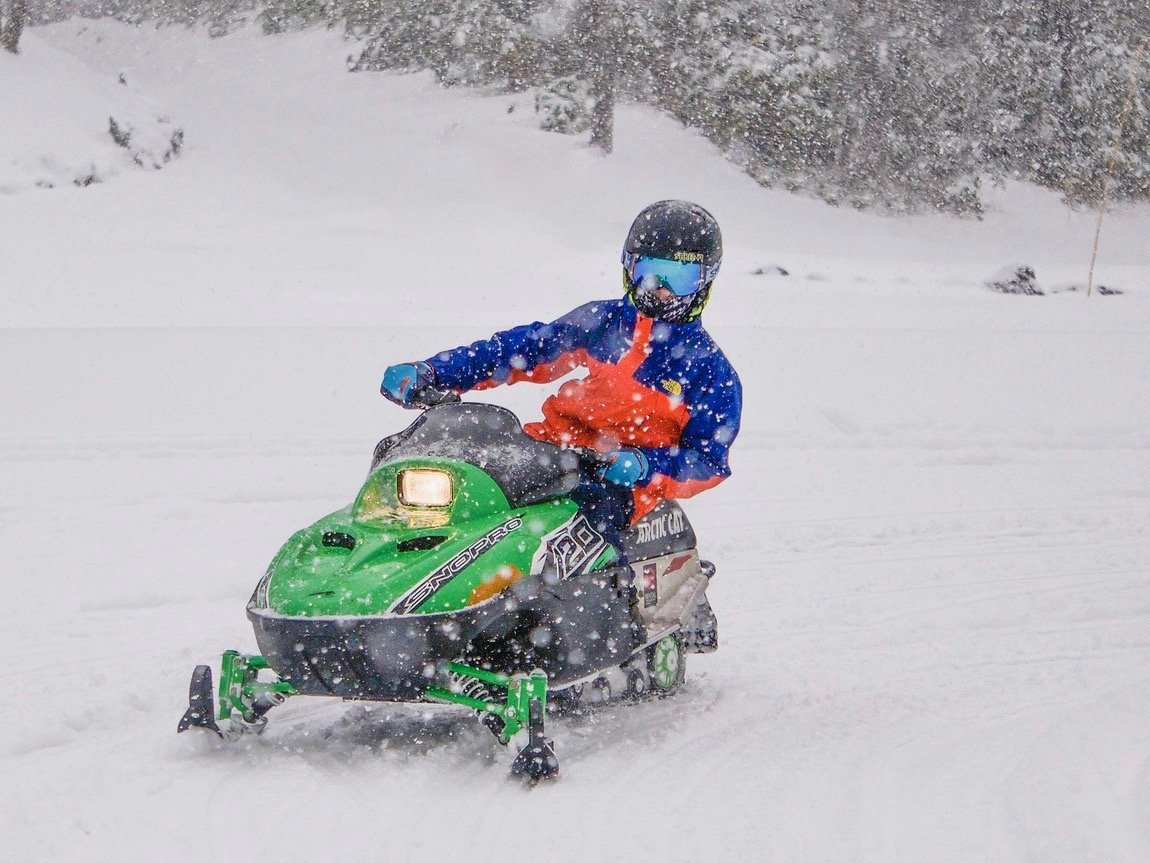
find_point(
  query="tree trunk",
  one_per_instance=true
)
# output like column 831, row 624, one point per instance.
column 1068, row 30
column 601, row 67
column 13, row 24
column 603, row 114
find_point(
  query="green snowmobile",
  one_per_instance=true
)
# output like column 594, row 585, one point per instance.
column 464, row 574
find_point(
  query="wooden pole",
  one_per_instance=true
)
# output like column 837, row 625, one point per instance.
column 1111, row 159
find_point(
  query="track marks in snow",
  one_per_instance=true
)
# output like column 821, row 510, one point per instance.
column 80, row 449
column 868, row 640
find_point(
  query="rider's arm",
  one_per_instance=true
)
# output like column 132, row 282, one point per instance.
column 700, row 459
column 534, row 352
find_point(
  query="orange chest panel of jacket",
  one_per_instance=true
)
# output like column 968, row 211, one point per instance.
column 609, row 409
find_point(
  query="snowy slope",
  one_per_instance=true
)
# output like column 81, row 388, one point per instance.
column 934, row 576
column 58, row 120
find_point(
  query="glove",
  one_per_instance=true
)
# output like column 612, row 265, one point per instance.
column 625, row 467
column 401, row 381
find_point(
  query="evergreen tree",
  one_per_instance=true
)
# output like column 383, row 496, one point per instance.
column 756, row 77
column 15, row 16
column 1066, row 96
column 480, row 42
column 279, row 16
column 600, row 35
column 868, row 102
column 902, row 103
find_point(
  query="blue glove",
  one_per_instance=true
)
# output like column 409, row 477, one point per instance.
column 402, row 380
column 626, row 467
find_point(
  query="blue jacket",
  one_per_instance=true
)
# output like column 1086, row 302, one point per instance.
column 664, row 389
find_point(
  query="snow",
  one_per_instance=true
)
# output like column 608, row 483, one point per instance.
column 933, row 577
column 58, row 118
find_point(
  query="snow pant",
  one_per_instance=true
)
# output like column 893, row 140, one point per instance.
column 608, row 507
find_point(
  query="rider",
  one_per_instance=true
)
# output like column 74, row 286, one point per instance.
column 660, row 401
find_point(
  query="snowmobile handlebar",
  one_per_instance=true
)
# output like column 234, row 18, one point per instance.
column 431, row 397
column 591, row 462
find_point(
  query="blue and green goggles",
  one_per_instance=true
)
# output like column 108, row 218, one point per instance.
column 679, row 277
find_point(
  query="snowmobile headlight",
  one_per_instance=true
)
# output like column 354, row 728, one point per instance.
column 422, row 487
column 260, row 596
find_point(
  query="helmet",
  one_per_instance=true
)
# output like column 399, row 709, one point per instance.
column 676, row 231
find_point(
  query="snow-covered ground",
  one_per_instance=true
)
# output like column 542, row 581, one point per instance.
column 64, row 125
column 934, row 568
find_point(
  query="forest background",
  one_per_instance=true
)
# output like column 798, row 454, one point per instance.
column 902, row 106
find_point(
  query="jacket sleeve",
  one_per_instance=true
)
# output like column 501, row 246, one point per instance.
column 537, row 352
column 700, row 459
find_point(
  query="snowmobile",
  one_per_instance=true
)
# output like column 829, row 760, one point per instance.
column 464, row 574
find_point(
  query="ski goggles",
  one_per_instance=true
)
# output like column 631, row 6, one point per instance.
column 679, row 277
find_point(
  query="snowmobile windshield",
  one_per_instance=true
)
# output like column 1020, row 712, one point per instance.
column 491, row 438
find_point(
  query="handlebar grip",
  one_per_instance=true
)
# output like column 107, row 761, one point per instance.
column 590, row 460
column 430, row 397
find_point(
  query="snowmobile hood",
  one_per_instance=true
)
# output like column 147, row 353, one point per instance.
column 424, row 535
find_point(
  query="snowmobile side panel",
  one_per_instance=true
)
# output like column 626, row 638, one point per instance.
column 569, row 628
column 387, row 657
column 664, row 530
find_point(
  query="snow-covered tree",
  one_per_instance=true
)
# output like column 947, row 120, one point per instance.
column 12, row 20
column 754, row 76
column 279, row 16
column 1065, row 92
column 865, row 102
column 480, row 42
column 901, row 99
column 599, row 37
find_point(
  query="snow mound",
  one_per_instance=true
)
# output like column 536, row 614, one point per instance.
column 1021, row 279
column 1016, row 279
column 64, row 125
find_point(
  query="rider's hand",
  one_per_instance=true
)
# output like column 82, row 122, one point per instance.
column 402, row 381
column 624, row 467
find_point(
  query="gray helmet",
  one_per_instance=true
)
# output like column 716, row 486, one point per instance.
column 676, row 231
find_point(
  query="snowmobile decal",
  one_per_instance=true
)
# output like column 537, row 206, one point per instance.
column 661, row 526
column 650, row 585
column 669, row 580
column 652, row 576
column 571, row 549
column 424, row 590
